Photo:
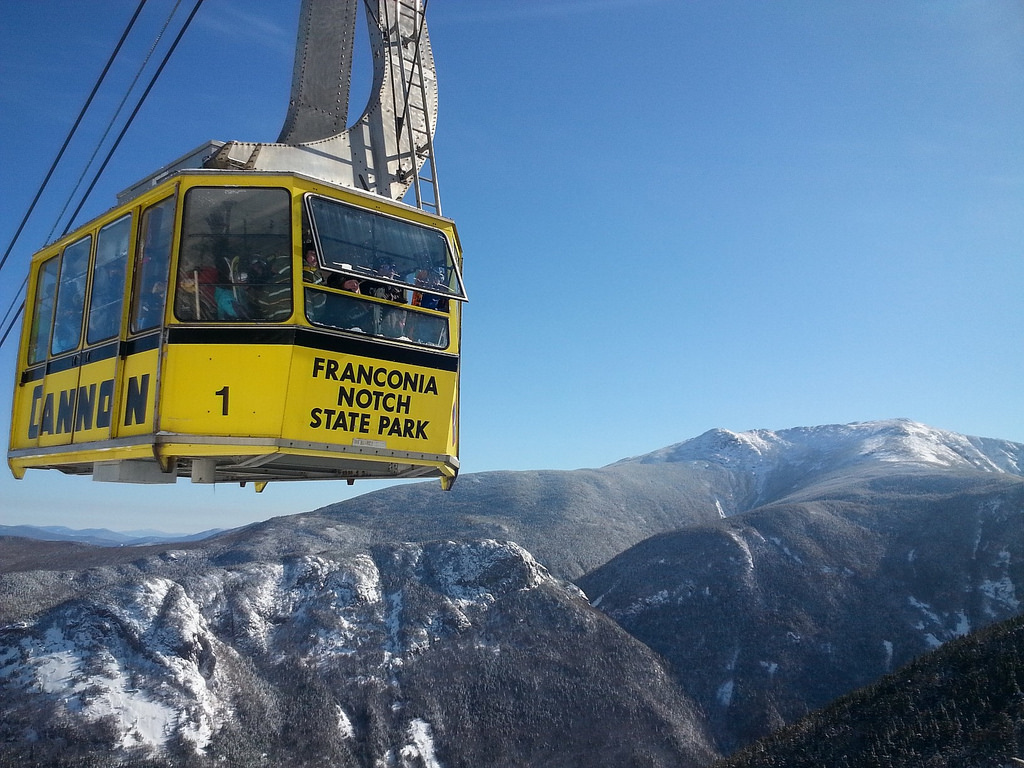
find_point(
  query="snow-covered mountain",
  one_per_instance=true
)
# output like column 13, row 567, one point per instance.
column 442, row 654
column 818, row 450
column 773, row 571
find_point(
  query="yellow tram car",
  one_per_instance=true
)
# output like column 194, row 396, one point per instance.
column 239, row 326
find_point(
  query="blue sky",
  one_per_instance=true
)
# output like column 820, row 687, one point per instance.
column 676, row 215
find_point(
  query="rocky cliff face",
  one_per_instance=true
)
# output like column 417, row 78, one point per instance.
column 447, row 653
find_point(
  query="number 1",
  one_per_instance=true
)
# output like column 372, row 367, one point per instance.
column 223, row 394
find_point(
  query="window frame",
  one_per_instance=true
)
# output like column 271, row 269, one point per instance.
column 217, row 289
column 145, row 278
column 317, row 232
column 110, row 311
column 76, row 304
column 39, row 335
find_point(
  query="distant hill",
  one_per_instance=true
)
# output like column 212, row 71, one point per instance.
column 574, row 521
column 733, row 584
column 101, row 537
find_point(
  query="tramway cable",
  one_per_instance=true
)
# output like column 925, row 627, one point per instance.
column 8, row 319
column 113, row 120
column 71, row 133
column 135, row 112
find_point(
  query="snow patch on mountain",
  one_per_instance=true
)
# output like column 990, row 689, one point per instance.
column 265, row 599
column 936, row 629
column 145, row 663
column 746, row 557
column 58, row 667
column 345, row 727
column 908, row 441
column 470, row 573
column 420, row 751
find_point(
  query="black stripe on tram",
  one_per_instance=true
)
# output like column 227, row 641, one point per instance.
column 105, row 352
column 140, row 344
column 84, row 357
column 92, row 355
column 312, row 339
column 227, row 335
column 65, row 363
column 38, row 373
column 348, row 345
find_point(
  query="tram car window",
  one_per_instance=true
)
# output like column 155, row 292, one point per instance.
column 366, row 244
column 42, row 317
column 382, row 258
column 152, row 262
column 67, row 326
column 234, row 261
column 108, row 280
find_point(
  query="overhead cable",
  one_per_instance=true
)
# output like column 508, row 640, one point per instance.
column 14, row 320
column 71, row 133
column 135, row 112
column 110, row 125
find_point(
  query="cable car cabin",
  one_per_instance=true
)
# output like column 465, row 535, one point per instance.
column 244, row 327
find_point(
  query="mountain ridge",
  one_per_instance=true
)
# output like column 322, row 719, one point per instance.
column 893, row 440
column 836, row 447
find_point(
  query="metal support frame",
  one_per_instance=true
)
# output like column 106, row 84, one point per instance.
column 389, row 149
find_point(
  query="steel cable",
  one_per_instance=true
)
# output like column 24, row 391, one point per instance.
column 110, row 126
column 135, row 111
column 111, row 151
column 71, row 133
